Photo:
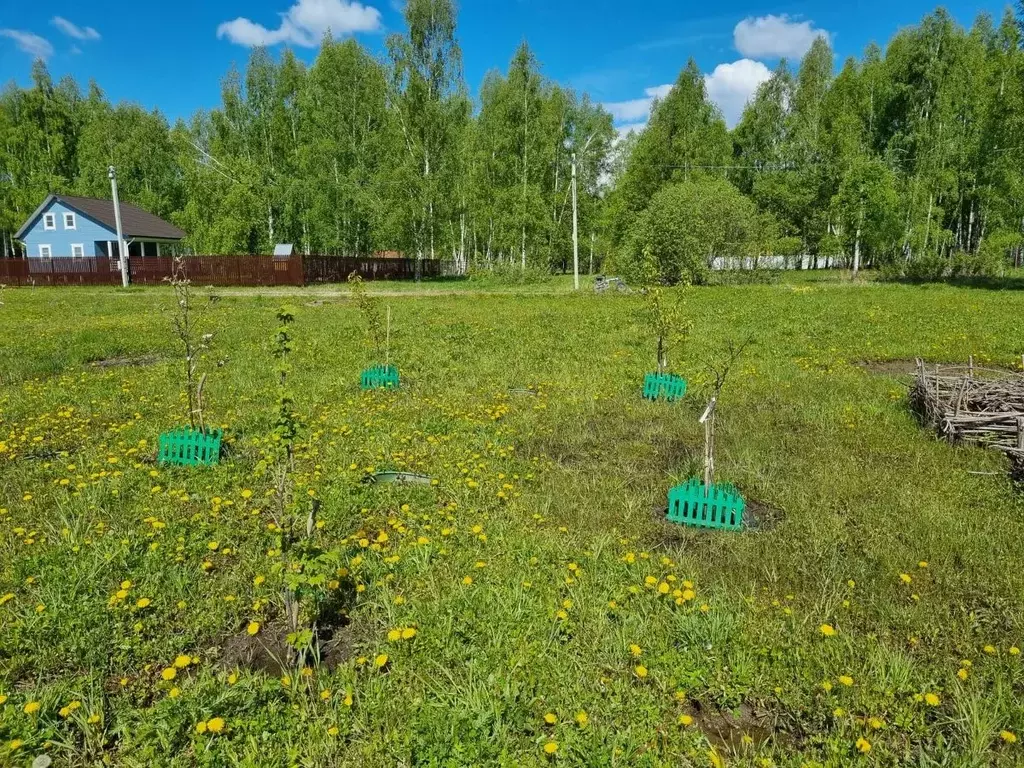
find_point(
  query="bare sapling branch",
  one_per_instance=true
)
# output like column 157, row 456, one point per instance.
column 721, row 374
column 188, row 322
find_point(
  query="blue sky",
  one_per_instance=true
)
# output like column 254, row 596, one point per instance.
column 172, row 55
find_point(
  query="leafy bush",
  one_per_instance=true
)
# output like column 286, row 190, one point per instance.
column 686, row 225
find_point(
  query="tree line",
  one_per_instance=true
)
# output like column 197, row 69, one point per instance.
column 908, row 159
column 911, row 159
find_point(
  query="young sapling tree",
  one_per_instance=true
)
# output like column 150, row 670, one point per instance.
column 721, row 374
column 377, row 320
column 303, row 566
column 666, row 316
column 190, row 328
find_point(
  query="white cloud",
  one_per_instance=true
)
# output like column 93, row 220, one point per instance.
column 73, row 30
column 305, row 24
column 731, row 86
column 775, row 37
column 35, row 46
column 637, row 110
column 623, row 131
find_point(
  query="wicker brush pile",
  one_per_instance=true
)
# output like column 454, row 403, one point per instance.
column 967, row 404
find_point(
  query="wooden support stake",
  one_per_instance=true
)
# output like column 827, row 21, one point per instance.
column 1020, row 433
column 970, row 367
column 387, row 343
column 708, row 420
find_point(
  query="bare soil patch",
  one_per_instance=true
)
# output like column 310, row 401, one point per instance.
column 268, row 650
column 747, row 726
column 126, row 362
column 908, row 366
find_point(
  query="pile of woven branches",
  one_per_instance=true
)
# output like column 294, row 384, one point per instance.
column 967, row 404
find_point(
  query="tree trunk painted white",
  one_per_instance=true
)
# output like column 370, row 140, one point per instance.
column 856, row 242
column 524, row 248
column 575, row 231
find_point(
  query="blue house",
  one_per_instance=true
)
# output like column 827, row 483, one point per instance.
column 78, row 227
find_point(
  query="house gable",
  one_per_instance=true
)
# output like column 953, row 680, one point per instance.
column 62, row 239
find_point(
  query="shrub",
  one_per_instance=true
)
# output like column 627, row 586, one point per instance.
column 686, row 225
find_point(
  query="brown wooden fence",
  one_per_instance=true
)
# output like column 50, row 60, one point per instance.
column 213, row 270
column 95, row 271
column 336, row 269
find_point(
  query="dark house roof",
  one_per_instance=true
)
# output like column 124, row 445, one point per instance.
column 135, row 222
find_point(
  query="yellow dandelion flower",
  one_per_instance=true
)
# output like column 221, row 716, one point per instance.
column 253, row 628
column 174, row 693
column 332, row 731
column 1008, row 736
column 144, row 602
column 990, row 650
column 15, row 744
column 686, row 720
column 394, row 635
column 932, row 699
column 169, row 673
column 550, row 718
column 467, row 580
column 215, row 724
column 201, row 726
column 828, row 630
column 846, row 680
column 380, row 661
column 182, row 661
column 906, row 578
column 962, row 673
column 876, row 722
column 641, row 671
column 635, row 649
column 408, row 633
column 582, row 719
column 551, row 747
column 863, row 745
column 32, row 707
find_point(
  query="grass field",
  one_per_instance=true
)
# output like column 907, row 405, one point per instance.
column 874, row 617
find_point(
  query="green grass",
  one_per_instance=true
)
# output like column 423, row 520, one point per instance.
column 548, row 504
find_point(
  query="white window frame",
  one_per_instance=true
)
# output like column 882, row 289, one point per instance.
column 68, row 216
column 79, row 246
column 49, row 251
column 49, row 221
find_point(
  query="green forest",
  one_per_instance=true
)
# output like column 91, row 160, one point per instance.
column 909, row 159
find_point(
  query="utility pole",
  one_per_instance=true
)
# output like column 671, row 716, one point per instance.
column 575, row 231
column 121, row 247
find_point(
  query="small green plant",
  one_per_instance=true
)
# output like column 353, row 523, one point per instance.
column 304, row 567
column 666, row 317
column 378, row 326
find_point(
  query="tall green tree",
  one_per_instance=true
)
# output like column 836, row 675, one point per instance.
column 425, row 99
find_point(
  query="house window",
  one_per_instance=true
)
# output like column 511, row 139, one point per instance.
column 49, row 221
column 45, row 252
column 69, row 221
column 77, row 250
